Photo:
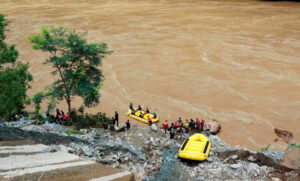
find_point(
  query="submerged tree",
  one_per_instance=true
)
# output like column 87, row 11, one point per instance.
column 75, row 61
column 14, row 77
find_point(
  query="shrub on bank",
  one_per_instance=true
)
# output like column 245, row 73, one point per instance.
column 91, row 121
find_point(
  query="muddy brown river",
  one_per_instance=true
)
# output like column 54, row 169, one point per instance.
column 237, row 61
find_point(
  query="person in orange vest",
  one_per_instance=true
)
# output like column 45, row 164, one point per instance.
column 176, row 125
column 150, row 121
column 186, row 126
column 165, row 126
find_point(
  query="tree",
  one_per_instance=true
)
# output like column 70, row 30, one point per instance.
column 75, row 61
column 14, row 77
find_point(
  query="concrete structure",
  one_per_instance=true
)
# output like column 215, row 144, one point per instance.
column 41, row 162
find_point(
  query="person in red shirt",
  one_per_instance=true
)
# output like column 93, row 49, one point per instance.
column 176, row 125
column 66, row 118
column 198, row 124
column 165, row 126
column 202, row 125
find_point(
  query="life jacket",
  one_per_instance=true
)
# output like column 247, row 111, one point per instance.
column 172, row 131
column 66, row 116
column 176, row 125
column 186, row 125
column 165, row 125
column 60, row 117
column 198, row 122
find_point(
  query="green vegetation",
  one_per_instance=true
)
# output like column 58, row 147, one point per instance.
column 73, row 131
column 14, row 77
column 296, row 145
column 75, row 62
column 91, row 121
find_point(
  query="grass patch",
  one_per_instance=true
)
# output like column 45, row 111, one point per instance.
column 296, row 145
column 73, row 131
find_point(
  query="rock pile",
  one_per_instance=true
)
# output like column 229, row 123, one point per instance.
column 150, row 154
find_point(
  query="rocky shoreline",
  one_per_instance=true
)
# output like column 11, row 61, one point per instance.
column 151, row 155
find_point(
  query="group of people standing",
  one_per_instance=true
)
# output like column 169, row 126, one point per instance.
column 180, row 126
column 60, row 118
column 115, row 120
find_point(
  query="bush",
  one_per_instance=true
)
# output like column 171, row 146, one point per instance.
column 90, row 121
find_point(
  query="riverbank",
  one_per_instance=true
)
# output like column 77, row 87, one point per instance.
column 150, row 155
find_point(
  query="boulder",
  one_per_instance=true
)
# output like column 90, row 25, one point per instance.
column 235, row 166
column 291, row 159
column 286, row 136
column 120, row 128
column 231, row 160
column 213, row 127
column 104, row 160
column 216, row 172
column 154, row 127
column 71, row 150
column 87, row 151
column 210, row 159
column 253, row 170
column 252, row 158
column 50, row 149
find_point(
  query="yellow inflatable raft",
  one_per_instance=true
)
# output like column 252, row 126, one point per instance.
column 145, row 117
column 196, row 147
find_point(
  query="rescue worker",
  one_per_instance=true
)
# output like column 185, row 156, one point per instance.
column 130, row 106
column 192, row 124
column 132, row 111
column 202, row 125
column 139, row 108
column 128, row 124
column 172, row 131
column 179, row 120
column 117, row 118
column 147, row 110
column 186, row 126
column 198, row 124
column 165, row 126
column 150, row 121
column 154, row 115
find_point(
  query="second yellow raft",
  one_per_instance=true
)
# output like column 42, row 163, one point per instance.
column 196, row 147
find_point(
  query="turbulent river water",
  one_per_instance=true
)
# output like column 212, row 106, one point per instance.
column 237, row 61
